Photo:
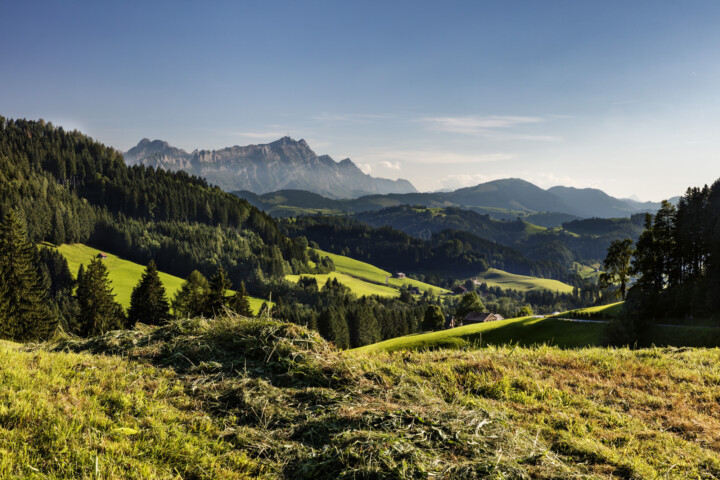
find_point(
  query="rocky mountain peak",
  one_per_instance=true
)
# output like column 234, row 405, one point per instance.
column 283, row 164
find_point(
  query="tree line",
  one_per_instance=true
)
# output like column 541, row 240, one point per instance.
column 671, row 273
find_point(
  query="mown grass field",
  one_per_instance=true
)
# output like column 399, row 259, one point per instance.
column 124, row 274
column 373, row 274
column 499, row 278
column 357, row 286
column 365, row 279
column 241, row 398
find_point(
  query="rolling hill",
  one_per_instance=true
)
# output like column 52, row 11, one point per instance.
column 125, row 274
column 560, row 331
column 499, row 278
column 505, row 199
column 365, row 279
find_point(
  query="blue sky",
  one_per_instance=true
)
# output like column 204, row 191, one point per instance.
column 619, row 95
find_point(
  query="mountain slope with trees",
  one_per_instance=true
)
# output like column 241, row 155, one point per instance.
column 505, row 199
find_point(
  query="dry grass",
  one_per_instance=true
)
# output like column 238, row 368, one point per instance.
column 292, row 406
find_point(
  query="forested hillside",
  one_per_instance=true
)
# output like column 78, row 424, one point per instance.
column 581, row 240
column 447, row 253
column 70, row 188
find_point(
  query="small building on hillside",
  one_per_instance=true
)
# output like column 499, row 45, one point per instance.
column 101, row 256
column 414, row 290
column 400, row 275
column 480, row 317
column 449, row 322
column 459, row 290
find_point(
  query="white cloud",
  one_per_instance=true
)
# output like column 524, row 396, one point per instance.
column 261, row 135
column 547, row 180
column 494, row 126
column 351, row 117
column 389, row 165
column 365, row 167
column 473, row 124
column 394, row 157
column 465, row 180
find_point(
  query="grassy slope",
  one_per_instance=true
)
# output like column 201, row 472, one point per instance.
column 124, row 274
column 499, row 278
column 373, row 274
column 358, row 286
column 522, row 331
column 249, row 397
column 365, row 279
column 66, row 415
column 527, row 331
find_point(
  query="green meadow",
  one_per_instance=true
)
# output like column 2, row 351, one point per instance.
column 357, row 286
column 505, row 280
column 559, row 331
column 124, row 274
column 373, row 274
column 365, row 279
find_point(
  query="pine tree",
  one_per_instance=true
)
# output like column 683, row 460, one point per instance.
column 25, row 313
column 99, row 312
column 216, row 300
column 333, row 327
column 148, row 301
column 239, row 302
column 191, row 299
column 433, row 319
column 617, row 265
column 363, row 326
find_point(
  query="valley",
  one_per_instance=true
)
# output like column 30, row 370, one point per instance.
column 351, row 373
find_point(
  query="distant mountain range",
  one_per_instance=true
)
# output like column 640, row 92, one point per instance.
column 502, row 199
column 283, row 164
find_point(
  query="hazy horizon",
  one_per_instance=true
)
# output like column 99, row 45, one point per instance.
column 616, row 96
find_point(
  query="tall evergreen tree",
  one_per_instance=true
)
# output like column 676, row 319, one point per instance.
column 25, row 313
column 239, row 302
column 216, row 299
column 363, row 325
column 148, row 301
column 646, row 265
column 433, row 319
column 191, row 299
column 617, row 265
column 333, row 327
column 665, row 243
column 99, row 312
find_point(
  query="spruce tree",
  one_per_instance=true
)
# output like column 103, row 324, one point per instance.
column 25, row 312
column 239, row 302
column 363, row 326
column 99, row 312
column 617, row 266
column 191, row 299
column 216, row 300
column 333, row 327
column 148, row 301
column 433, row 319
